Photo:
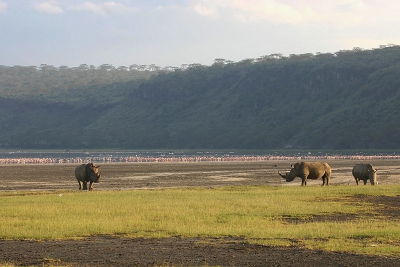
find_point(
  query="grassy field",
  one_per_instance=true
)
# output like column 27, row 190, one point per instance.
column 330, row 218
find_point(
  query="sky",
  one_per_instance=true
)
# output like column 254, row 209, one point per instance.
column 175, row 32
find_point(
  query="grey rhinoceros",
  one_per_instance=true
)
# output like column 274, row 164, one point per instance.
column 85, row 173
column 309, row 170
column 364, row 172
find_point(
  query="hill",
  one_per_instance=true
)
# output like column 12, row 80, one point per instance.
column 344, row 100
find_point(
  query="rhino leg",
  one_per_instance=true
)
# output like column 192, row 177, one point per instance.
column 325, row 180
column 365, row 181
column 80, row 185
column 91, row 186
column 303, row 180
column 356, row 181
column 84, row 185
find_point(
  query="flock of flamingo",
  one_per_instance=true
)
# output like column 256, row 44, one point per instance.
column 224, row 158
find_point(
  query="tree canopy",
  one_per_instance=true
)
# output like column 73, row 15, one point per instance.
column 344, row 100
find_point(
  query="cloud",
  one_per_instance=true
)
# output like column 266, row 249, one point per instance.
column 339, row 13
column 50, row 7
column 3, row 6
column 257, row 10
column 105, row 8
column 253, row 10
column 205, row 10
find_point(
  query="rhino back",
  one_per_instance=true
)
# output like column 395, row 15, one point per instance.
column 320, row 166
column 80, row 172
column 360, row 170
column 316, row 169
column 364, row 171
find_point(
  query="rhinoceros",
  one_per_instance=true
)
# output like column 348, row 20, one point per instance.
column 87, row 173
column 364, row 172
column 309, row 170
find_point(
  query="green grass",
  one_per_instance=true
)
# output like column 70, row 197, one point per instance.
column 256, row 213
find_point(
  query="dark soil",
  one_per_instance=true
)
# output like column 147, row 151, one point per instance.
column 177, row 251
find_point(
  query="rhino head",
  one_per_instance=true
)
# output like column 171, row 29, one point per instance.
column 94, row 174
column 289, row 176
column 372, row 176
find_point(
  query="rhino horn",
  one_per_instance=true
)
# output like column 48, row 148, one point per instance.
column 283, row 176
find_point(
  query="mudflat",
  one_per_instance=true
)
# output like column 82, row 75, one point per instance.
column 125, row 176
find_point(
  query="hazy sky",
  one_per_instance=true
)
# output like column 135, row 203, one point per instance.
column 176, row 32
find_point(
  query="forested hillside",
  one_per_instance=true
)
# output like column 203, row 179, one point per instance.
column 344, row 100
